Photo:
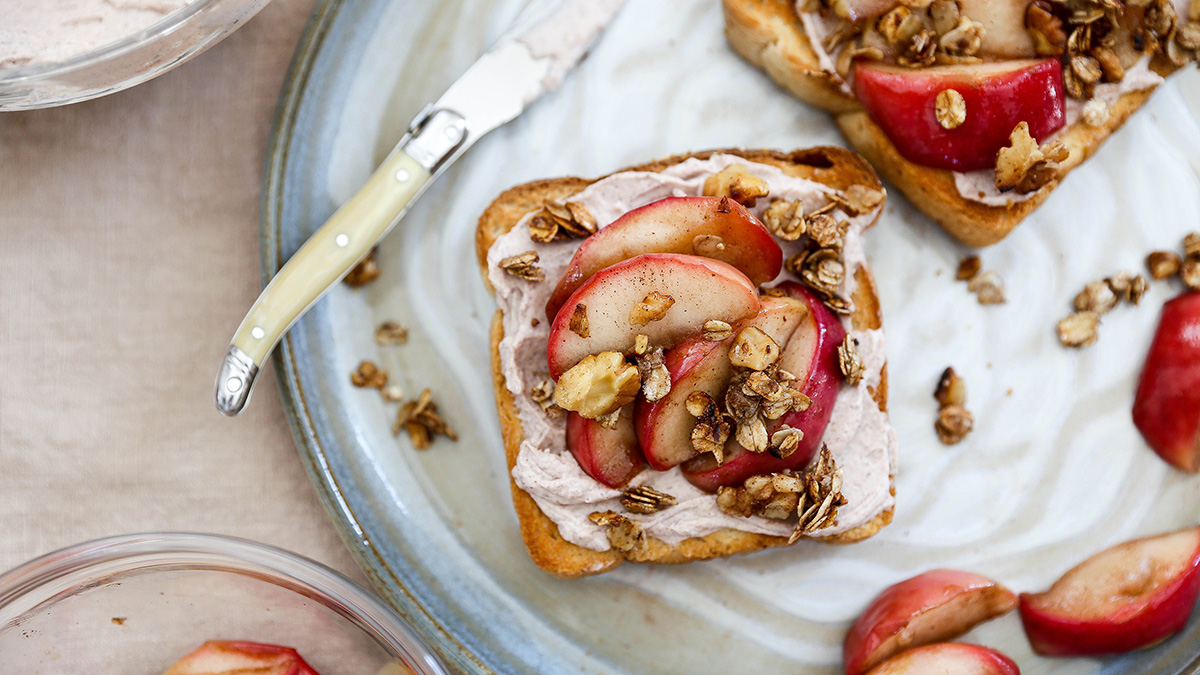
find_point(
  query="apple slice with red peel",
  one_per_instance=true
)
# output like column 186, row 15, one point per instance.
column 701, row 289
column 998, row 96
column 1130, row 596
column 948, row 658
column 810, row 355
column 936, row 606
column 1003, row 21
column 664, row 427
column 1166, row 408
column 241, row 658
column 611, row 456
column 687, row 225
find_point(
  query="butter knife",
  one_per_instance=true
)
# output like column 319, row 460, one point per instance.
column 547, row 41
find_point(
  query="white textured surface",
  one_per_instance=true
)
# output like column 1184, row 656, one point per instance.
column 1053, row 472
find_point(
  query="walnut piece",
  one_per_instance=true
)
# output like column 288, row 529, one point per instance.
column 523, row 266
column 542, row 394
column 368, row 376
column 1128, row 286
column 623, row 534
column 968, row 267
column 390, row 333
column 1097, row 297
column 1191, row 245
column 645, row 499
column 1190, row 273
column 1163, row 264
column 1024, row 165
column 737, row 183
column 652, row 308
column 753, row 349
column 988, row 288
column 849, row 361
column 656, row 379
column 579, row 321
column 951, row 389
column 953, row 424
column 598, row 385
column 950, row 109
column 366, row 271
column 1079, row 329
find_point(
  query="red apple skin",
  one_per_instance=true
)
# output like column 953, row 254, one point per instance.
column 703, row 290
column 1166, row 408
column 936, row 606
column 664, row 427
column 998, row 96
column 611, row 456
column 1128, row 597
column 948, row 658
column 822, row 380
column 671, row 225
column 239, row 658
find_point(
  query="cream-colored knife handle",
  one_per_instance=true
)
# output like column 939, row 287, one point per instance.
column 332, row 251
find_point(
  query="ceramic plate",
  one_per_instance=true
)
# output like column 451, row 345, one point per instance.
column 1054, row 471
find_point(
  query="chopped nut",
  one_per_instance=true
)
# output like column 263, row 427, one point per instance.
column 610, row 420
column 579, row 321
column 656, row 379
column 968, row 267
column 753, row 349
column 561, row 221
column 1190, row 273
column 1095, row 112
column 652, row 308
column 523, row 266
column 1163, row 264
column 707, row 245
column 849, row 361
column 392, row 393
column 1046, row 29
column 1097, row 297
column 821, row 497
column 366, row 271
column 737, row 183
column 786, row 219
column 421, row 420
column 988, row 288
column 542, row 394
column 641, row 344
column 951, row 389
column 645, row 499
column 598, row 385
column 1079, row 329
column 1127, row 286
column 715, row 331
column 827, row 232
column 369, row 376
column 1024, row 165
column 950, row 109
column 953, row 424
column 391, row 333
column 623, row 534
column 964, row 40
column 1191, row 245
column 712, row 429
column 785, row 441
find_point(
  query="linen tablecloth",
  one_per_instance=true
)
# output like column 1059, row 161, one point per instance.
column 128, row 254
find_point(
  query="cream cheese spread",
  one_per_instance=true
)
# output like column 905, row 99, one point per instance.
column 980, row 186
column 859, row 436
column 50, row 31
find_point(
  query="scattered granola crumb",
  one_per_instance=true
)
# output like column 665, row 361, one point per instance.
column 1190, row 273
column 366, row 271
column 542, row 394
column 712, row 428
column 368, row 376
column 392, row 393
column 968, row 268
column 1097, row 296
column 1095, row 113
column 953, row 424
column 988, row 288
column 524, row 266
column 645, row 499
column 1191, row 245
column 561, row 221
column 1163, row 264
column 656, row 379
column 623, row 534
column 1079, row 329
column 1026, row 166
column 951, row 389
column 715, row 331
column 849, row 361
column 774, row 496
column 950, row 109
column 819, row 502
column 390, row 333
column 421, row 420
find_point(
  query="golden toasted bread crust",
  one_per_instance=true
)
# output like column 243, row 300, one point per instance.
column 770, row 35
column 835, row 167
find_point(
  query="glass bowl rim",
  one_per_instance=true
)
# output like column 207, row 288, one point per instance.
column 108, row 51
column 212, row 552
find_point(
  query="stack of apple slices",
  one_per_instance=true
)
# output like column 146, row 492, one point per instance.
column 656, row 315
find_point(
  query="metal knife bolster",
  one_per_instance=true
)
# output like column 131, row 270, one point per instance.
column 434, row 139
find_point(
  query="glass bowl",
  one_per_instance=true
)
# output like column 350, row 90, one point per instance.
column 136, row 604
column 131, row 60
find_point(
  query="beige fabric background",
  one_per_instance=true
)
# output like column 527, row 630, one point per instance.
column 128, row 254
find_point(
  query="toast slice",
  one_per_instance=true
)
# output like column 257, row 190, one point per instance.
column 835, row 167
column 769, row 34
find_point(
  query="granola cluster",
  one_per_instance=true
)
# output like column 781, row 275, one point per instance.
column 954, row 421
column 914, row 34
column 557, row 221
column 1097, row 298
column 988, row 287
column 1026, row 166
column 814, row 496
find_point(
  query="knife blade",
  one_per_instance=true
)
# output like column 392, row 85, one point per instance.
column 547, row 41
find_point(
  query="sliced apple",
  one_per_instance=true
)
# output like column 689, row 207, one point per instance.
column 241, row 658
column 936, row 606
column 810, row 355
column 700, row 290
column 1003, row 21
column 611, row 456
column 948, row 658
column 664, row 427
column 1130, row 596
column 998, row 96
column 1166, row 408
column 858, row 10
column 706, row 226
